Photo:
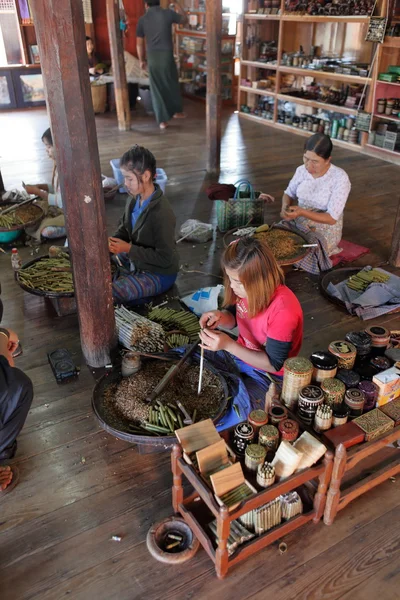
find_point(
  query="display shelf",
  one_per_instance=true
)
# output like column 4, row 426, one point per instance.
column 326, row 75
column 391, row 42
column 359, row 469
column 335, row 142
column 259, row 65
column 201, row 507
column 378, row 82
column 377, row 148
column 194, row 33
column 325, row 19
column 251, row 90
column 387, row 118
column 256, row 17
column 316, row 104
column 254, row 117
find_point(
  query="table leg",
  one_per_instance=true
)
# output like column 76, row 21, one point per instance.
column 333, row 497
column 221, row 555
column 177, row 488
column 323, row 483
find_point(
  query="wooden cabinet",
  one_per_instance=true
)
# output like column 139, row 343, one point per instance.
column 200, row 508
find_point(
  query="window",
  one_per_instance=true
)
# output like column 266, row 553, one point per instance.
column 10, row 35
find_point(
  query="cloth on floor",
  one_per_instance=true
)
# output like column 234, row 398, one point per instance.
column 377, row 300
column 221, row 191
column 317, row 260
column 349, row 253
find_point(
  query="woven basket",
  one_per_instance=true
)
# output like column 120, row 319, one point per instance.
column 99, row 97
column 244, row 209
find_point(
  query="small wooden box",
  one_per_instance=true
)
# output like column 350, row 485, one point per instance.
column 374, row 424
column 348, row 435
column 392, row 410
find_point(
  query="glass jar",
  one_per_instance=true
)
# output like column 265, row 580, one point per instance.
column 381, row 106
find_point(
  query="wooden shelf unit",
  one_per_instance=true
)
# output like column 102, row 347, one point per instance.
column 200, row 508
column 359, row 469
column 344, row 36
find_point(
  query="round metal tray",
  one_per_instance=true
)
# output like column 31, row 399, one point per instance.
column 23, row 225
column 120, row 426
column 337, row 276
column 41, row 293
column 229, row 237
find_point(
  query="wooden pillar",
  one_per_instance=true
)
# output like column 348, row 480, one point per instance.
column 213, row 109
column 60, row 32
column 118, row 64
column 395, row 251
column 2, row 188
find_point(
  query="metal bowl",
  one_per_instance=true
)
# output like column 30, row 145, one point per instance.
column 31, row 223
column 35, row 292
column 119, row 427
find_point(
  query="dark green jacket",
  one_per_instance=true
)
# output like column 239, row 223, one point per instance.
column 153, row 237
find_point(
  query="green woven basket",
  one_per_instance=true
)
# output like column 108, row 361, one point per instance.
column 243, row 209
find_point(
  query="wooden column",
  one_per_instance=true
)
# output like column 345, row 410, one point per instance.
column 2, row 188
column 213, row 109
column 118, row 64
column 395, row 252
column 60, row 32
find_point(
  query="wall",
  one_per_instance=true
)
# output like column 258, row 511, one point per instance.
column 134, row 9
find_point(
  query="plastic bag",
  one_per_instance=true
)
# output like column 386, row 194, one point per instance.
column 203, row 300
column 196, row 231
column 108, row 182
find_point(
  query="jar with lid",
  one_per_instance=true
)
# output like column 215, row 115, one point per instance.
column 370, row 391
column 340, row 415
column 258, row 418
column 381, row 106
column 310, row 397
column 380, row 339
column 350, row 378
column 242, row 437
column 289, row 430
column 254, row 456
column 362, row 341
column 355, row 400
column 333, row 390
column 345, row 352
column 389, row 106
column 297, row 373
column 268, row 436
column 15, row 259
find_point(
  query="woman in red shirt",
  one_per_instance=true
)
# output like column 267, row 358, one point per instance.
column 268, row 314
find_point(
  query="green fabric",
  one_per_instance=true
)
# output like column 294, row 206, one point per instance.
column 153, row 237
column 164, row 85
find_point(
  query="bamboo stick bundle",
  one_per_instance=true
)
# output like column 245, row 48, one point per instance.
column 138, row 333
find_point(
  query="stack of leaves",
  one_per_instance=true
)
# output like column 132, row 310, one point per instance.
column 361, row 280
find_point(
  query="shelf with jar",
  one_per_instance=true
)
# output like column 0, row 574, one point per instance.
column 322, row 64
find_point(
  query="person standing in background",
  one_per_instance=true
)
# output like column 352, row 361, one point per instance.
column 155, row 26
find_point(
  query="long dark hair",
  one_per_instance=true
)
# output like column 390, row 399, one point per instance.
column 320, row 144
column 138, row 160
column 48, row 137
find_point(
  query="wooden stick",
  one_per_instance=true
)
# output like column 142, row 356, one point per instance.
column 201, row 371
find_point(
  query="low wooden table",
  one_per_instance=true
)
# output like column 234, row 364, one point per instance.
column 200, row 508
column 359, row 469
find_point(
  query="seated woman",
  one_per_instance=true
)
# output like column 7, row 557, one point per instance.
column 145, row 240
column 268, row 315
column 95, row 66
column 53, row 225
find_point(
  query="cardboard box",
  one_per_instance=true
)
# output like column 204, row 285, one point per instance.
column 388, row 383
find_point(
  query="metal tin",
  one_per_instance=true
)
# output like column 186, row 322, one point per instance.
column 325, row 365
column 277, row 413
column 254, row 456
column 345, row 352
column 370, row 391
column 265, row 475
column 258, row 418
column 350, row 378
column 242, row 437
column 268, row 436
column 310, row 397
column 334, row 391
column 340, row 415
column 297, row 374
column 355, row 400
column 289, row 430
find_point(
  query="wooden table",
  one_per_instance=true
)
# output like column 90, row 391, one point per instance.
column 200, row 508
column 359, row 469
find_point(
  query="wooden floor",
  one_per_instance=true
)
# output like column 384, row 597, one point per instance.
column 79, row 486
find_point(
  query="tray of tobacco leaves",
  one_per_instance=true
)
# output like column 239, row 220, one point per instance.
column 22, row 216
column 119, row 403
column 285, row 244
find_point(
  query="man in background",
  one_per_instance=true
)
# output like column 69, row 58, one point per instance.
column 156, row 27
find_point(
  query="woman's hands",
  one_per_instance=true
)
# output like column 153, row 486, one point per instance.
column 215, row 340
column 291, row 212
column 117, row 246
column 267, row 198
column 211, row 319
column 33, row 189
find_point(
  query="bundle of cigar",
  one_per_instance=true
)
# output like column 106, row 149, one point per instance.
column 291, row 505
column 267, row 516
column 242, row 492
column 238, row 535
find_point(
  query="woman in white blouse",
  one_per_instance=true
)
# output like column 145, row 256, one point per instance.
column 321, row 191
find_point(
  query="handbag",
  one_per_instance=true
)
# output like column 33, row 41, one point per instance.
column 243, row 209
